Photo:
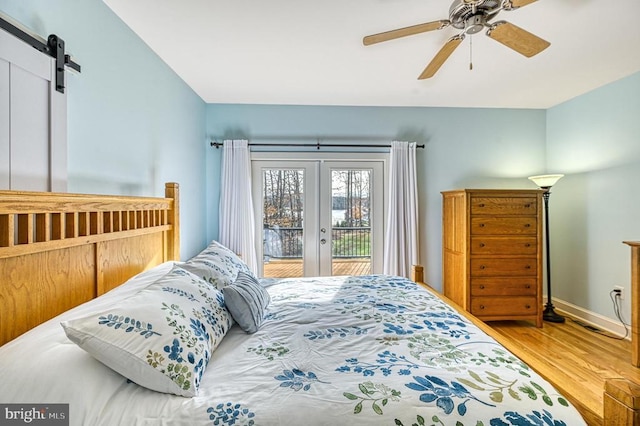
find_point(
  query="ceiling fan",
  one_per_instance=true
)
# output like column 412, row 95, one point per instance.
column 471, row 16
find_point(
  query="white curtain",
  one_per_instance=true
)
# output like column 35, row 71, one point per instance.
column 236, row 224
column 401, row 242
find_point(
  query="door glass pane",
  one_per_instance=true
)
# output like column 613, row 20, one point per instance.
column 282, row 219
column 351, row 222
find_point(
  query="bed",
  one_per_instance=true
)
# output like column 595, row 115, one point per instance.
column 76, row 270
column 622, row 396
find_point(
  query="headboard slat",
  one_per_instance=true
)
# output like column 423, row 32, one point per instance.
column 43, row 227
column 7, row 230
column 57, row 226
column 71, row 224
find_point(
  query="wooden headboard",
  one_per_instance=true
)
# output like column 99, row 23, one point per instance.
column 59, row 250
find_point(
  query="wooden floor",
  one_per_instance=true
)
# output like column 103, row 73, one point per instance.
column 289, row 268
column 575, row 359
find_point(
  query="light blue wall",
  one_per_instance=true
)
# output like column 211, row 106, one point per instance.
column 133, row 124
column 465, row 148
column 595, row 140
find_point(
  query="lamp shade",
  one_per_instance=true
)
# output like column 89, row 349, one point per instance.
column 545, row 181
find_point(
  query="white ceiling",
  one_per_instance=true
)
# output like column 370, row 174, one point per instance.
column 311, row 53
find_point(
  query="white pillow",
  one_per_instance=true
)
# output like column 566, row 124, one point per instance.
column 247, row 301
column 216, row 264
column 162, row 337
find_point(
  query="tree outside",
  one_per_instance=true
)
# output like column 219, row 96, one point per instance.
column 283, row 212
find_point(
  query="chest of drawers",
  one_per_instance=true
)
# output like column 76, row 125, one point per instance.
column 492, row 252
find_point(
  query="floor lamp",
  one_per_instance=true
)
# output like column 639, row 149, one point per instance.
column 545, row 182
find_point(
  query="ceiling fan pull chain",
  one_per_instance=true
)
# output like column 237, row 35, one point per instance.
column 471, row 53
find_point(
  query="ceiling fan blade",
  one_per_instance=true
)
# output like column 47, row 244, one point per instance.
column 441, row 56
column 516, row 38
column 515, row 4
column 407, row 31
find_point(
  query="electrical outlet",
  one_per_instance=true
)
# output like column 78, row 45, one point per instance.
column 620, row 291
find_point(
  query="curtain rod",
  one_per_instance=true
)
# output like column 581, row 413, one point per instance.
column 316, row 145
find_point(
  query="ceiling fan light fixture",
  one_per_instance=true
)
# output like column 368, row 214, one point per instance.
column 474, row 24
column 461, row 12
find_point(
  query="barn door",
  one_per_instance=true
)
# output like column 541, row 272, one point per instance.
column 33, row 147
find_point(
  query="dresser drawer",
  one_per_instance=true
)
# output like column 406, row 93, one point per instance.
column 500, row 245
column 484, row 267
column 503, row 306
column 504, row 225
column 504, row 205
column 503, row 286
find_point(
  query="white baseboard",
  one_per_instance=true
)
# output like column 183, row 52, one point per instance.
column 590, row 318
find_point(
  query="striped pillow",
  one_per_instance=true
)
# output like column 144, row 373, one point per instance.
column 246, row 299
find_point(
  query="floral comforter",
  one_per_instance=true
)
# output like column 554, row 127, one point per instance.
column 380, row 350
column 371, row 350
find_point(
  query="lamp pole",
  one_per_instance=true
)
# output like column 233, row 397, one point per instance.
column 545, row 182
column 549, row 314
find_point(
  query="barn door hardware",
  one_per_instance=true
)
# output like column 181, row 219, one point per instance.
column 54, row 47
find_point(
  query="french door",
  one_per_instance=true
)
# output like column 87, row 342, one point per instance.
column 318, row 217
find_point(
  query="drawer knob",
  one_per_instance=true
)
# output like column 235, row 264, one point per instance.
column 527, row 286
column 481, row 205
column 526, row 206
column 527, row 306
column 527, row 267
column 482, row 266
column 481, row 306
column 527, row 245
column 481, row 244
column 482, row 287
column 482, row 225
column 527, row 225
